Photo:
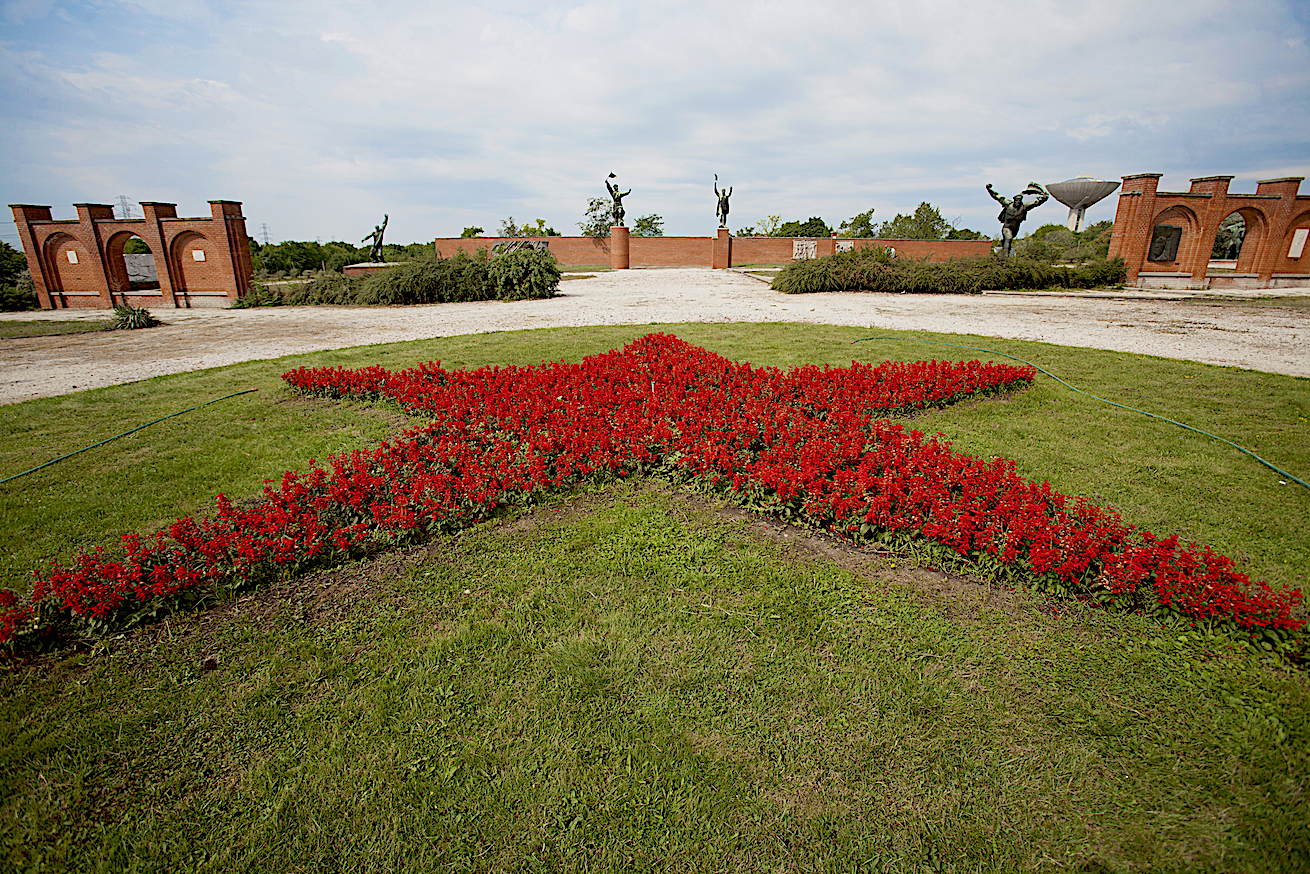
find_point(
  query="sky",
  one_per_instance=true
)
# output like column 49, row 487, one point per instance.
column 322, row 116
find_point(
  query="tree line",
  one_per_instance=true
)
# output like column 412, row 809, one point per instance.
column 925, row 223
column 296, row 258
column 1050, row 242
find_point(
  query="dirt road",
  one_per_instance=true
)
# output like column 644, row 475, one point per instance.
column 1269, row 338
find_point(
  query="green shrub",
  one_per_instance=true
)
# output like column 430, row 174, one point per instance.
column 20, row 294
column 327, row 287
column 260, row 295
column 526, row 274
column 461, row 277
column 14, row 299
column 872, row 269
column 428, row 280
column 130, row 318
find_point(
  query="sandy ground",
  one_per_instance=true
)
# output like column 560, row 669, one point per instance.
column 1168, row 324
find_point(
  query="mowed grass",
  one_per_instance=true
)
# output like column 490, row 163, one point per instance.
column 1157, row 475
column 633, row 680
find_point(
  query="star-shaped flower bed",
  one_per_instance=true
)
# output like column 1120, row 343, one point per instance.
column 812, row 445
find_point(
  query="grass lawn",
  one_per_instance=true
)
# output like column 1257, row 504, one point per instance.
column 634, row 678
column 15, row 329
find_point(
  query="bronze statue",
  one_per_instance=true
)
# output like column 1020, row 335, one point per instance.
column 375, row 253
column 723, row 196
column 1015, row 211
column 618, row 199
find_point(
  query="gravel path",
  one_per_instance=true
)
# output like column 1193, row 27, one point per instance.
column 1274, row 339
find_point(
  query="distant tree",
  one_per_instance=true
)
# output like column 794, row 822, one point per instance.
column 927, row 223
column 765, row 227
column 598, row 218
column 16, row 290
column 811, row 227
column 861, row 225
column 12, row 263
column 136, row 246
column 965, row 234
column 405, row 251
column 648, row 226
column 471, row 232
column 293, row 258
column 508, row 228
column 1057, row 244
column 535, row 229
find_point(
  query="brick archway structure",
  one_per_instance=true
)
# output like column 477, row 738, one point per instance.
column 1276, row 218
column 79, row 262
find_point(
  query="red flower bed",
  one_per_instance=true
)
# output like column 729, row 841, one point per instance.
column 810, row 443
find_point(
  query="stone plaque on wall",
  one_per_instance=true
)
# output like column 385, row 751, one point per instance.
column 1298, row 242
column 845, row 245
column 141, row 268
column 1164, row 243
column 803, row 250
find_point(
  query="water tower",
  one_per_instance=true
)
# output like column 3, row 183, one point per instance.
column 1079, row 193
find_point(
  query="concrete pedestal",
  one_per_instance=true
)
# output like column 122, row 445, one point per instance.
column 618, row 248
column 367, row 267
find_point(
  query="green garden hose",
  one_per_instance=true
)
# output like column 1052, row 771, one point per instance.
column 125, row 433
column 1275, row 468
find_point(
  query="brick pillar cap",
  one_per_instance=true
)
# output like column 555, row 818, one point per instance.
column 106, row 205
column 29, row 206
column 1258, row 182
column 1211, row 178
column 1142, row 176
column 155, row 203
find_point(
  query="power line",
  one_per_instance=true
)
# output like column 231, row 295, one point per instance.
column 263, row 232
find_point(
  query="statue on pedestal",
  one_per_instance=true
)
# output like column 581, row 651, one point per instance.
column 723, row 196
column 375, row 253
column 1015, row 211
column 618, row 199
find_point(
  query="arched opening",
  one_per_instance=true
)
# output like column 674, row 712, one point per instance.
column 1228, row 243
column 141, row 270
column 72, row 267
column 197, row 261
column 131, row 265
column 1173, row 239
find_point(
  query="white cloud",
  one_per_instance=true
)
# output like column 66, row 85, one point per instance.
column 319, row 114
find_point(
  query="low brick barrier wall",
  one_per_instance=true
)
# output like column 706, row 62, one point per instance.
column 699, row 251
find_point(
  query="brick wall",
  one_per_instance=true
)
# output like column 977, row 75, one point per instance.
column 568, row 250
column 99, row 278
column 699, row 251
column 1272, row 215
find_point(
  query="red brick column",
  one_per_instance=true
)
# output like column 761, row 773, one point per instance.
column 89, row 236
column 1279, row 220
column 232, row 240
column 1131, row 236
column 722, row 257
column 156, row 237
column 24, row 215
column 619, row 247
column 1210, row 214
